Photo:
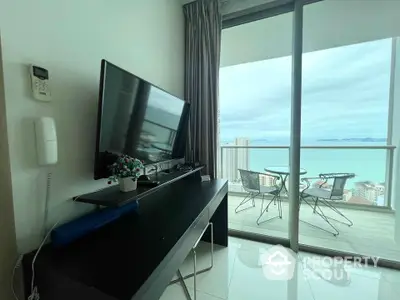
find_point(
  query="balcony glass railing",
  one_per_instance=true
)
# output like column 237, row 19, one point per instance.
column 371, row 164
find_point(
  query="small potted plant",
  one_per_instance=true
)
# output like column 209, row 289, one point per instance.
column 126, row 171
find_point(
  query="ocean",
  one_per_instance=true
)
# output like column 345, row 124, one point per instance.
column 367, row 164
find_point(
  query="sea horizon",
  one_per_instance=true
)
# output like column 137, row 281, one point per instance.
column 366, row 164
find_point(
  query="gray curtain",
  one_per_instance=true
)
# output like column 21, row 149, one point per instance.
column 202, row 59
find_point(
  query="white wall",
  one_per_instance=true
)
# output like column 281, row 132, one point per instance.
column 70, row 38
column 8, row 248
column 327, row 24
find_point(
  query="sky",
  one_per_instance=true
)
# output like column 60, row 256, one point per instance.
column 345, row 95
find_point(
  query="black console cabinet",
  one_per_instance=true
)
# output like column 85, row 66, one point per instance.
column 135, row 256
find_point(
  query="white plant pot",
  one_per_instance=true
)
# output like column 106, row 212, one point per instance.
column 127, row 184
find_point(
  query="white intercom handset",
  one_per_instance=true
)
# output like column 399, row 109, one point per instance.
column 46, row 141
column 40, row 83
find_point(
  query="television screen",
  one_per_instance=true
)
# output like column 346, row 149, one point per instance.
column 138, row 119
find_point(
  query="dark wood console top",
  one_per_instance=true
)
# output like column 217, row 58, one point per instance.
column 113, row 197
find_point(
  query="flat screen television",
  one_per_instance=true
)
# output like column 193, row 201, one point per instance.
column 138, row 119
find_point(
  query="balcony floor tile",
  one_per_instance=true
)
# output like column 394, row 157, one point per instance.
column 372, row 233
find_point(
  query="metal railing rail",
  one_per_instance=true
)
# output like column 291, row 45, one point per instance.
column 387, row 147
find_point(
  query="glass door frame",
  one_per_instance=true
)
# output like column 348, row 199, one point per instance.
column 295, row 126
column 297, row 9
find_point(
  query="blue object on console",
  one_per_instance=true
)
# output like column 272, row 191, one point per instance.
column 82, row 226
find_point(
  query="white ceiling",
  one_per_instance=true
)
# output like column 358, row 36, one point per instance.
column 327, row 24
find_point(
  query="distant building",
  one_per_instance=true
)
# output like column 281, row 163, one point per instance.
column 229, row 170
column 242, row 155
column 266, row 180
column 369, row 190
column 347, row 195
column 234, row 159
column 381, row 188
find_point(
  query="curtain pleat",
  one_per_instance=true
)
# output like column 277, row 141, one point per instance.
column 202, row 60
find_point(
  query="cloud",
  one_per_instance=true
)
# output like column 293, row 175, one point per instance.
column 345, row 94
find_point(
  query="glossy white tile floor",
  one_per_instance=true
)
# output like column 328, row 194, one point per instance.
column 238, row 275
column 373, row 232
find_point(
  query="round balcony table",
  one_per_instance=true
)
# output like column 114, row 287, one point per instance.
column 283, row 172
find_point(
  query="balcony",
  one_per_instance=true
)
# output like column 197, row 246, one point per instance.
column 367, row 198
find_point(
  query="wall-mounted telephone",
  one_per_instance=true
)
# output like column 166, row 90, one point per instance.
column 40, row 83
column 46, row 141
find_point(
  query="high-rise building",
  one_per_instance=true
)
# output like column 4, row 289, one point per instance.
column 347, row 194
column 234, row 159
column 369, row 190
column 242, row 154
column 266, row 180
column 229, row 164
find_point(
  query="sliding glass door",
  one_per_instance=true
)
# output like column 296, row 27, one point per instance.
column 347, row 134
column 255, row 93
column 343, row 87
